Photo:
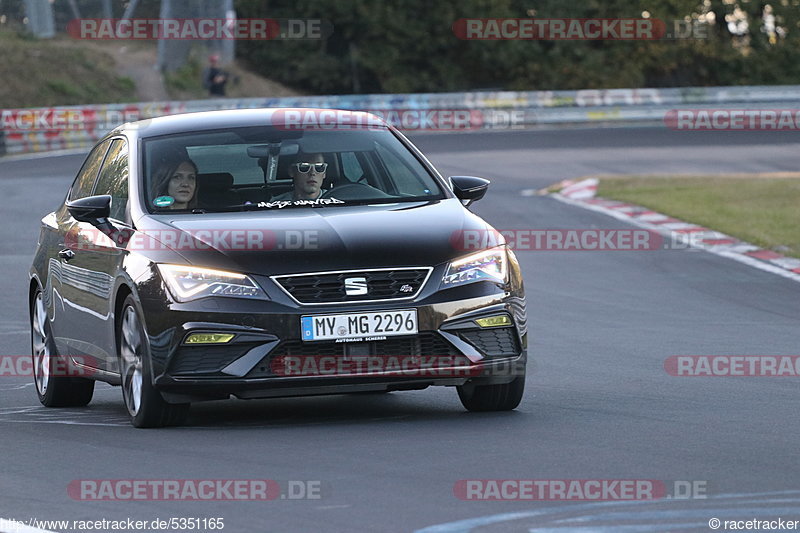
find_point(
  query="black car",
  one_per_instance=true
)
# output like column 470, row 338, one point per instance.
column 244, row 253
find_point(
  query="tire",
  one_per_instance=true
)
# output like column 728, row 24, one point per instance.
column 146, row 408
column 503, row 397
column 53, row 391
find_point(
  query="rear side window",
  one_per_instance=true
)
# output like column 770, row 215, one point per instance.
column 84, row 182
column 113, row 179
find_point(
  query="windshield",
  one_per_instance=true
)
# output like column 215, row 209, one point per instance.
column 267, row 168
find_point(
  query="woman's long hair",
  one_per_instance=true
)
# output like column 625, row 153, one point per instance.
column 163, row 174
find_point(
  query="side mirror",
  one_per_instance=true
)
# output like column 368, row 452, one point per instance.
column 469, row 189
column 92, row 209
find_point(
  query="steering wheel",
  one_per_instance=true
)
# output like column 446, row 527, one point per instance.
column 354, row 191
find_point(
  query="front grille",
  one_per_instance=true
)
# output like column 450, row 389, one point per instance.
column 494, row 342
column 206, row 359
column 329, row 287
column 425, row 344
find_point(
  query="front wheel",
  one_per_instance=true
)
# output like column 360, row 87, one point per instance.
column 53, row 387
column 146, row 408
column 502, row 397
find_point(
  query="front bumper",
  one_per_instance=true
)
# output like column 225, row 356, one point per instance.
column 450, row 348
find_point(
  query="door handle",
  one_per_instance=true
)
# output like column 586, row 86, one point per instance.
column 66, row 254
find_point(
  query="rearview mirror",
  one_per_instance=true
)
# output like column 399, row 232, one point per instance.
column 469, row 189
column 92, row 209
column 259, row 151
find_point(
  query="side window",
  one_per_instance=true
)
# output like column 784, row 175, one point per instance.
column 84, row 182
column 351, row 167
column 113, row 179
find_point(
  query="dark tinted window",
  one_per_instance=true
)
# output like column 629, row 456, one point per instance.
column 113, row 178
column 84, row 182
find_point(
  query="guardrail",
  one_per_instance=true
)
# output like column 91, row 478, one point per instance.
column 44, row 129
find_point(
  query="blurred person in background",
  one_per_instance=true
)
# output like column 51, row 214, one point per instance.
column 214, row 78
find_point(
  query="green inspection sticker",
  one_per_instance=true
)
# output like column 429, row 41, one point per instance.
column 164, row 201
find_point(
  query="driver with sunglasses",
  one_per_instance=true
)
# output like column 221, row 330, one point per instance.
column 307, row 175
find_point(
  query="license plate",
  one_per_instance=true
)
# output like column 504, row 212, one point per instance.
column 359, row 326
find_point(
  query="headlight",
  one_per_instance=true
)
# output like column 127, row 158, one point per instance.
column 491, row 265
column 187, row 283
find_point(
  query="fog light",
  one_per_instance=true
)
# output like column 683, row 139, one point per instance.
column 209, row 338
column 494, row 321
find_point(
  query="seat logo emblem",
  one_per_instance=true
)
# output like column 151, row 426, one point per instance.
column 355, row 286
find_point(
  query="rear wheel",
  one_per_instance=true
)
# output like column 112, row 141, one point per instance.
column 54, row 390
column 502, row 397
column 145, row 405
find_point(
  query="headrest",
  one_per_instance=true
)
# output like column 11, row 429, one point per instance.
column 214, row 181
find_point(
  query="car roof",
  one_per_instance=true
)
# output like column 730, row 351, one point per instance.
column 289, row 118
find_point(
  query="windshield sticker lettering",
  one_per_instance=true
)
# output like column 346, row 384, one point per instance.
column 285, row 203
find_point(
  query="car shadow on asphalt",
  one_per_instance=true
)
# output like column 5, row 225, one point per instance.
column 431, row 405
column 331, row 410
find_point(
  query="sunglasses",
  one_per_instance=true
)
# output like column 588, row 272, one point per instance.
column 305, row 168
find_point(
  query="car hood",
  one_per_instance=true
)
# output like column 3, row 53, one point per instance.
column 295, row 240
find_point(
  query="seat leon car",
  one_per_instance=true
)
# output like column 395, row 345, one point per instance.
column 267, row 253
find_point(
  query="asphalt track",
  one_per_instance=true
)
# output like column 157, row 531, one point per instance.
column 598, row 403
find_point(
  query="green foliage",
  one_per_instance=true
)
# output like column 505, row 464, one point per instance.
column 58, row 72
column 409, row 46
column 62, row 87
column 186, row 78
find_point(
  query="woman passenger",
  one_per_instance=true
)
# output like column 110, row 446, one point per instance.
column 176, row 180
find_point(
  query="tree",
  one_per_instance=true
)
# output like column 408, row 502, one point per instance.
column 409, row 46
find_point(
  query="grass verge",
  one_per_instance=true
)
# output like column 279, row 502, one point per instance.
column 186, row 83
column 761, row 210
column 44, row 72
